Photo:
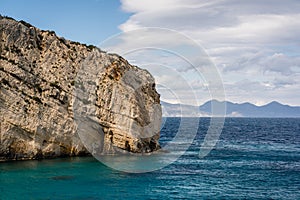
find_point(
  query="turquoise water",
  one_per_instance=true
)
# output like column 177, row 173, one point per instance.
column 254, row 159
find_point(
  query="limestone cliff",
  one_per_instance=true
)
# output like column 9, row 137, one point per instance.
column 46, row 81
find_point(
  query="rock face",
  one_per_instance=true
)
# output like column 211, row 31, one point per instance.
column 54, row 91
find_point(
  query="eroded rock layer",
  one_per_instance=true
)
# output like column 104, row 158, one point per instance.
column 42, row 77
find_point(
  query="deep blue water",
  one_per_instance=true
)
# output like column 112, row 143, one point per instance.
column 254, row 159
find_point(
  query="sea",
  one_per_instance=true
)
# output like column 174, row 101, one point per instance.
column 254, row 158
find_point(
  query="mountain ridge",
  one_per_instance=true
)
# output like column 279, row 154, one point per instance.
column 273, row 109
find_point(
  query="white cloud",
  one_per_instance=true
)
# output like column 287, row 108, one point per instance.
column 254, row 43
column 281, row 63
column 235, row 114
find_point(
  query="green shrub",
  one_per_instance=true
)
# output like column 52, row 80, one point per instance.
column 25, row 23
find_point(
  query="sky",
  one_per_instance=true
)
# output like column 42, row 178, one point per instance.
column 251, row 48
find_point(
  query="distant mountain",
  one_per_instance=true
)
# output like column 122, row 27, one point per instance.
column 179, row 110
column 273, row 109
